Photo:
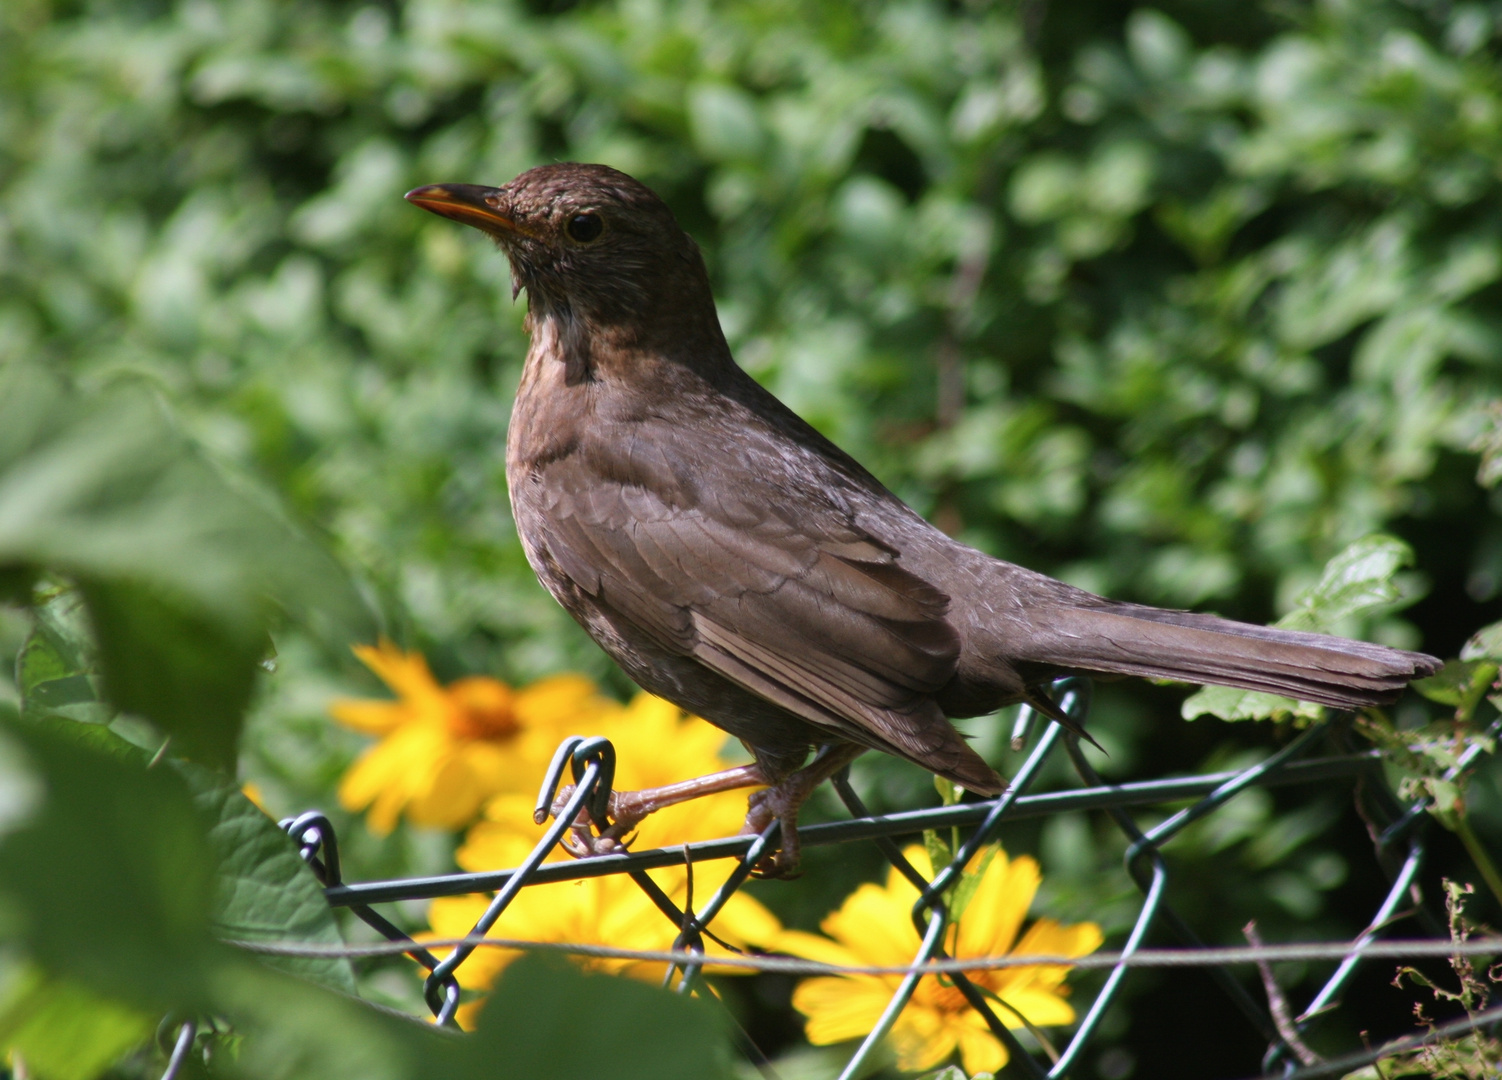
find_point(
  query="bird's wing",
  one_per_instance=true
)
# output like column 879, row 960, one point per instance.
column 771, row 585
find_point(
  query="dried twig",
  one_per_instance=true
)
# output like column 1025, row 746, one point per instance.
column 1278, row 1005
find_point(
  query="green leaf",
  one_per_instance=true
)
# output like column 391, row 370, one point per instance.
column 635, row 1031
column 1484, row 644
column 964, row 889
column 939, row 854
column 63, row 1031
column 264, row 892
column 1355, row 582
column 1459, row 684
column 180, row 566
column 171, row 661
column 1229, row 703
column 295, row 1030
column 56, row 670
column 110, row 874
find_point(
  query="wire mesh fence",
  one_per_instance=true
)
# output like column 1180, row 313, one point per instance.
column 1399, row 848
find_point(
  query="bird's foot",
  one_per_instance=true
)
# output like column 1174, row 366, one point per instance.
column 588, row 837
column 781, row 804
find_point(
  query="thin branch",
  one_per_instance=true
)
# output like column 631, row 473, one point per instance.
column 1277, row 1004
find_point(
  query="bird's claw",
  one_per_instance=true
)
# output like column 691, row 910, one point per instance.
column 762, row 808
column 587, row 838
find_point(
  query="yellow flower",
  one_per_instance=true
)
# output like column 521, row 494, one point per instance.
column 656, row 743
column 874, row 928
column 445, row 750
column 609, row 910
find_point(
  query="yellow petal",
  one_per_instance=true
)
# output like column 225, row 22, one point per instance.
column 386, row 773
column 406, row 673
column 1047, row 937
column 561, row 701
column 924, row 1038
column 877, row 923
column 455, row 917
column 252, row 791
column 370, row 717
column 990, row 923
column 980, row 1051
column 1041, row 1007
column 450, row 795
column 492, row 846
column 505, row 837
column 746, row 921
column 813, row 947
column 708, row 818
column 467, row 1015
column 840, row 1008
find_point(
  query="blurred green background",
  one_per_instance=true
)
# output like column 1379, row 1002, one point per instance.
column 1172, row 302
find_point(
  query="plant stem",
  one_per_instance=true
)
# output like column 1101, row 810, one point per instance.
column 1479, row 855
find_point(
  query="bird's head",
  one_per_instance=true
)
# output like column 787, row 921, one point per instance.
column 582, row 239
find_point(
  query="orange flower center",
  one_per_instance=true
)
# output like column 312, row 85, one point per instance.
column 943, row 998
column 481, row 708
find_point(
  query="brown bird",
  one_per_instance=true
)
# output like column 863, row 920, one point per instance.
column 734, row 561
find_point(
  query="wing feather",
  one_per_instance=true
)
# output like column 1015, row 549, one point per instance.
column 795, row 603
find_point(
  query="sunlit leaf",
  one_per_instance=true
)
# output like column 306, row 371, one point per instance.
column 62, row 1031
column 264, row 892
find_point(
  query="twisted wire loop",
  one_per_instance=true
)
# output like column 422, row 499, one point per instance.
column 319, row 847
column 1398, row 838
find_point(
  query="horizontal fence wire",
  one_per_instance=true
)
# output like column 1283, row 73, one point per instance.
column 905, row 823
column 1399, row 851
column 1210, row 956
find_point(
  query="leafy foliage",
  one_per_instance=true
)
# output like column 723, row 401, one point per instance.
column 1179, row 303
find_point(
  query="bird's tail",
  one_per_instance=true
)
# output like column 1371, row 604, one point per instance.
column 1098, row 635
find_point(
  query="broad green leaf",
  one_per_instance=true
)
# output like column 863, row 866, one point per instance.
column 1354, row 582
column 1229, row 703
column 296, row 1030
column 263, row 891
column 49, row 689
column 1484, row 644
column 530, row 1026
column 188, row 671
column 180, row 568
column 63, row 1031
column 1459, row 684
column 635, row 1031
column 56, row 670
column 110, row 875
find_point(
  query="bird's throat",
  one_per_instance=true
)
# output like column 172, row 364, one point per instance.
column 559, row 335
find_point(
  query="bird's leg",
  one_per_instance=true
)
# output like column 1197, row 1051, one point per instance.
column 628, row 808
column 782, row 801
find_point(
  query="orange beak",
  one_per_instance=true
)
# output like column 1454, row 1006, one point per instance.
column 469, row 204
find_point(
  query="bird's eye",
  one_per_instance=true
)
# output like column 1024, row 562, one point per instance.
column 585, row 227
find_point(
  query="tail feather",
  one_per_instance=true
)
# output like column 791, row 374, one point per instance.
column 1128, row 639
